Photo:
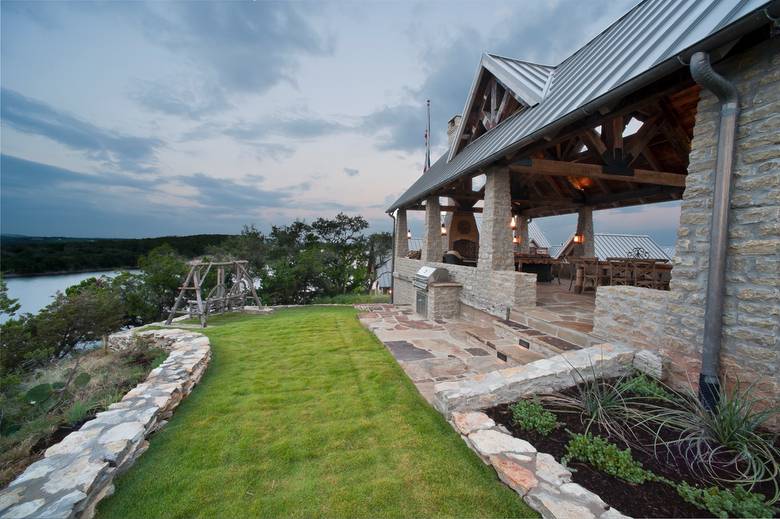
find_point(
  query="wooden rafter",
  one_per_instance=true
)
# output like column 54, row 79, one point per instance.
column 572, row 169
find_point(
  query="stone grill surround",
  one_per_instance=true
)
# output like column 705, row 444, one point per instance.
column 673, row 322
column 491, row 291
column 78, row 472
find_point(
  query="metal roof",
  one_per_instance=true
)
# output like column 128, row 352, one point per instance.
column 525, row 79
column 619, row 246
column 632, row 52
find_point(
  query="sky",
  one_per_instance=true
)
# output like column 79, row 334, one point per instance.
column 131, row 119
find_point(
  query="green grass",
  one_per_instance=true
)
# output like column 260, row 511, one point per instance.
column 303, row 413
column 353, row 299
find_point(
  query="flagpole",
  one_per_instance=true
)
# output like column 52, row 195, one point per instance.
column 428, row 138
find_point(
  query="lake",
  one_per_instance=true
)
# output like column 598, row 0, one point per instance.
column 35, row 292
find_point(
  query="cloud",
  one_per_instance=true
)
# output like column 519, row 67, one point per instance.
column 37, row 196
column 173, row 96
column 451, row 62
column 303, row 127
column 351, row 172
column 248, row 46
column 114, row 149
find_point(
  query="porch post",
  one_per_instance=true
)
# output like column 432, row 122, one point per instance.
column 432, row 248
column 401, row 228
column 525, row 242
column 585, row 228
column 495, row 240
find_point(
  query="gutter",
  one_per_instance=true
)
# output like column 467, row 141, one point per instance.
column 392, row 265
column 707, row 78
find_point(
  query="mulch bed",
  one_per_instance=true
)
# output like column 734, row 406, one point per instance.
column 651, row 499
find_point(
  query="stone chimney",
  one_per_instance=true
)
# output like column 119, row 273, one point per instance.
column 452, row 129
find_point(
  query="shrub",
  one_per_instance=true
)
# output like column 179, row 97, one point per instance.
column 727, row 440
column 606, row 457
column 727, row 503
column 531, row 416
column 77, row 412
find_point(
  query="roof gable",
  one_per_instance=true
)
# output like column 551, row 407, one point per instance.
column 501, row 87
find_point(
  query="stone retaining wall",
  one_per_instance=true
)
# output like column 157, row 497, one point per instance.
column 541, row 481
column 78, row 472
column 492, row 291
column 542, row 376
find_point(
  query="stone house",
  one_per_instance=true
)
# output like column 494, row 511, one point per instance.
column 699, row 81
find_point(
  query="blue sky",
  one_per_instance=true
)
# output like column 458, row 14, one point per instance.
column 146, row 119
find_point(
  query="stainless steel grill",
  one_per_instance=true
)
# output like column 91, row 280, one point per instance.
column 427, row 275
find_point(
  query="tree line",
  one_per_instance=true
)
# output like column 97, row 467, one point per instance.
column 24, row 255
column 295, row 264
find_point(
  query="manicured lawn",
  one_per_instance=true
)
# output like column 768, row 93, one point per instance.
column 304, row 413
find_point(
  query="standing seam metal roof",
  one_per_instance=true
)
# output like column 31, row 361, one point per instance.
column 620, row 246
column 651, row 33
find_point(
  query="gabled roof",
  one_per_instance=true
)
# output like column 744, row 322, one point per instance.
column 526, row 81
column 619, row 246
column 652, row 40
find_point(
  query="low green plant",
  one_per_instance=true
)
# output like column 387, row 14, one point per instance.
column 645, row 386
column 724, row 503
column 77, row 412
column 726, row 445
column 530, row 415
column 606, row 457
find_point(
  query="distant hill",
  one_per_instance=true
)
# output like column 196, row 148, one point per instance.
column 27, row 255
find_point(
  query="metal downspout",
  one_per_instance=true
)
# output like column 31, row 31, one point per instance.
column 392, row 265
column 704, row 75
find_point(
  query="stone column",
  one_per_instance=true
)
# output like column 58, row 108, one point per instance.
column 522, row 229
column 401, row 228
column 585, row 227
column 495, row 241
column 432, row 248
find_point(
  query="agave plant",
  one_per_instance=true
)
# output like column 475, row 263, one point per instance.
column 725, row 445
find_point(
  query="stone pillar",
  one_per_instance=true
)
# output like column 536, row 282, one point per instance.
column 522, row 229
column 585, row 227
column 401, row 240
column 432, row 246
column 495, row 241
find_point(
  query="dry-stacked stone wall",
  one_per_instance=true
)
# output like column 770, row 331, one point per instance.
column 78, row 472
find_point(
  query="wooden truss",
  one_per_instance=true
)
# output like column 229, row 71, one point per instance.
column 219, row 299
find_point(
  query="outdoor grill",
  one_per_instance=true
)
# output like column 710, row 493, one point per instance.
column 427, row 275
column 422, row 280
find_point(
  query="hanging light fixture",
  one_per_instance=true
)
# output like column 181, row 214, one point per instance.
column 579, row 238
column 409, row 234
column 513, row 224
column 443, row 230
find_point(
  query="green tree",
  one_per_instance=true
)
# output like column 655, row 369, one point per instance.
column 162, row 272
column 379, row 250
column 8, row 306
column 343, row 249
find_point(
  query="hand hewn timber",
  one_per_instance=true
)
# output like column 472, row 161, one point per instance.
column 573, row 169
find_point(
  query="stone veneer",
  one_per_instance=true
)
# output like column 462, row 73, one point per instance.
column 444, row 301
column 673, row 322
column 541, row 481
column 492, row 291
column 78, row 472
column 496, row 251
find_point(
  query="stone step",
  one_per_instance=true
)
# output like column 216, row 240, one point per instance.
column 581, row 339
column 484, row 339
column 518, row 353
column 532, row 339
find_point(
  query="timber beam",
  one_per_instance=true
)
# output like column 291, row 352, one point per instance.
column 596, row 171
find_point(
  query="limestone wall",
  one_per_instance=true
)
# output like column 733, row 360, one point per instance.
column 489, row 291
column 673, row 323
column 78, row 472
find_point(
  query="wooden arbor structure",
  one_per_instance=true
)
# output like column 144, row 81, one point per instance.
column 220, row 298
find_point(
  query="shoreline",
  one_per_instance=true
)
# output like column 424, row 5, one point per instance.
column 9, row 275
